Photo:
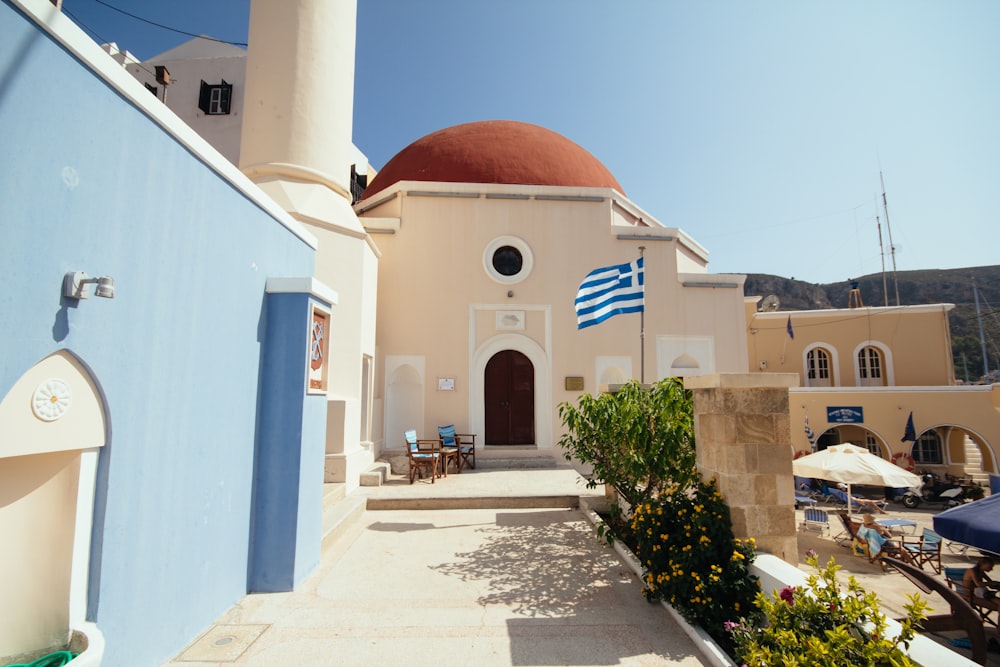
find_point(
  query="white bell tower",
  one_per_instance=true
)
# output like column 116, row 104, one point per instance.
column 297, row 146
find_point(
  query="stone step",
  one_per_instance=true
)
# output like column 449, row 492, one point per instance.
column 376, row 474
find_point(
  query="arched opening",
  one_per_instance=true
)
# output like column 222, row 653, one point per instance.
column 53, row 420
column 509, row 399
column 404, row 403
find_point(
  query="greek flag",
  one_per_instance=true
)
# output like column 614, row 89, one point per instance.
column 609, row 291
column 810, row 436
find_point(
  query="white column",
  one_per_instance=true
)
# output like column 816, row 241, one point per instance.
column 299, row 97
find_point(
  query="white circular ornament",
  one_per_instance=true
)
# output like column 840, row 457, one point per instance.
column 51, row 399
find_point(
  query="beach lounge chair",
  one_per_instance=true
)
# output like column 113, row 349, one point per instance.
column 820, row 492
column 816, row 519
column 874, row 545
column 841, row 499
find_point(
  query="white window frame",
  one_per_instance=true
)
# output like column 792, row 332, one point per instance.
column 888, row 375
column 834, row 363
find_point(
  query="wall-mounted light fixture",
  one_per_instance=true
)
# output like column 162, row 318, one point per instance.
column 74, row 285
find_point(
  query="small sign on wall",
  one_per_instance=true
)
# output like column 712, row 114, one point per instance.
column 845, row 415
column 574, row 383
column 319, row 349
column 446, row 384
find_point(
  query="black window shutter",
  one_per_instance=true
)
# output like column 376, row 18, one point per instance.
column 227, row 94
column 205, row 96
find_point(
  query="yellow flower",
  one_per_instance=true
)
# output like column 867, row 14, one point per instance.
column 738, row 556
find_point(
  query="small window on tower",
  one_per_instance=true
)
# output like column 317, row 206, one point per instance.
column 215, row 99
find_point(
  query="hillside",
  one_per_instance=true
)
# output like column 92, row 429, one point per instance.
column 915, row 287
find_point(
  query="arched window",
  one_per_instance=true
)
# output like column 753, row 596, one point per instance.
column 871, row 442
column 818, row 368
column 927, row 449
column 870, row 367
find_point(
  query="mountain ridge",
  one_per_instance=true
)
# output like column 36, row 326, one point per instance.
column 915, row 288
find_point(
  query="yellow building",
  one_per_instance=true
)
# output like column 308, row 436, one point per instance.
column 865, row 371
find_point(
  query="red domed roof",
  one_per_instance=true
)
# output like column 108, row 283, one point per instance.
column 495, row 151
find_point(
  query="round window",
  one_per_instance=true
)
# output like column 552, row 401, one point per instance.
column 507, row 260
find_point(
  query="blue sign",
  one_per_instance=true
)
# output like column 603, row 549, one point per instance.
column 845, row 415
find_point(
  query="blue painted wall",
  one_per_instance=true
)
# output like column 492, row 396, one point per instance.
column 288, row 476
column 90, row 183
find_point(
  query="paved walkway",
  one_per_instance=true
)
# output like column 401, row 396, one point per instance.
column 483, row 586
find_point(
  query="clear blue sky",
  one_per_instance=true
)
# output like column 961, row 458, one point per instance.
column 759, row 128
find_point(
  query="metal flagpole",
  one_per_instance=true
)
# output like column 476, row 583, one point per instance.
column 642, row 325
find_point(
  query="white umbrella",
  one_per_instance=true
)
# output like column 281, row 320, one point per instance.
column 851, row 464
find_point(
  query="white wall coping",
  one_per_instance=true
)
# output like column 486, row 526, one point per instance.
column 305, row 285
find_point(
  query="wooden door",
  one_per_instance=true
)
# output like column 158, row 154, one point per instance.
column 510, row 399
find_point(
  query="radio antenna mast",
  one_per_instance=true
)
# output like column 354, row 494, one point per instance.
column 881, row 251
column 888, row 228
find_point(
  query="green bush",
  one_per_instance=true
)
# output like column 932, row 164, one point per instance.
column 685, row 542
column 638, row 439
column 819, row 625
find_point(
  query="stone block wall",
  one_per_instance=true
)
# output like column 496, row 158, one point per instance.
column 743, row 440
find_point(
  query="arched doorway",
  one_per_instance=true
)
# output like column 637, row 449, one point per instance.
column 509, row 399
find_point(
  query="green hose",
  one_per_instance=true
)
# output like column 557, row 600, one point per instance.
column 57, row 659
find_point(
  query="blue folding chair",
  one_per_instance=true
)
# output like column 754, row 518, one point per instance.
column 423, row 455
column 927, row 550
column 463, row 444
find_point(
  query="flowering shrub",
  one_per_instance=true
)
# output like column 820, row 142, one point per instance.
column 685, row 542
column 819, row 625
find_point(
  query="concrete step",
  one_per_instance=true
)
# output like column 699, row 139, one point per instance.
column 340, row 517
column 475, row 502
column 519, row 463
column 376, row 474
column 333, row 492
